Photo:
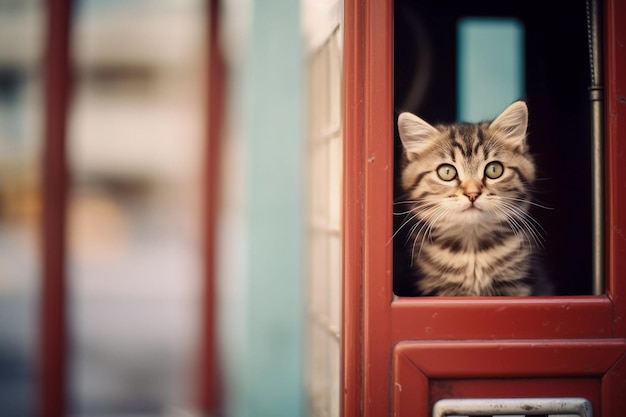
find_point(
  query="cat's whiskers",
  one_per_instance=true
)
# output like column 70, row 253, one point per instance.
column 515, row 227
column 525, row 215
column 407, row 220
column 404, row 203
column 522, row 200
column 412, row 231
column 521, row 218
column 522, row 227
column 421, row 209
column 422, row 223
column 439, row 212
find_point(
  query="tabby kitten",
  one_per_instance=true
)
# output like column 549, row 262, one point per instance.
column 467, row 196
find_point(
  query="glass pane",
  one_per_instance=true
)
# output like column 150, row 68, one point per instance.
column 464, row 60
column 135, row 225
column 21, row 42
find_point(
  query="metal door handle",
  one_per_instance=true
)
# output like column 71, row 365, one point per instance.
column 513, row 406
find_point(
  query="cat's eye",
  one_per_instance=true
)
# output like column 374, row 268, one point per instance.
column 494, row 170
column 446, row 172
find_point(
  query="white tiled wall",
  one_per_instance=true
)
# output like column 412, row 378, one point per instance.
column 325, row 158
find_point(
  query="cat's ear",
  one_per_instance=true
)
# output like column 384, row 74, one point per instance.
column 415, row 133
column 512, row 123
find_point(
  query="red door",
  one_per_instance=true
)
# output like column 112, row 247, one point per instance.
column 402, row 355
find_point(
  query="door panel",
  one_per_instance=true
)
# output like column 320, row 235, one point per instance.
column 425, row 372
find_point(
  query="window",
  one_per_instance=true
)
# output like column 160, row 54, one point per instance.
column 441, row 76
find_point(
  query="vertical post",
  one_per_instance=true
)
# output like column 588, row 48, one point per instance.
column 52, row 355
column 377, row 205
column 208, row 381
column 353, row 200
column 596, row 97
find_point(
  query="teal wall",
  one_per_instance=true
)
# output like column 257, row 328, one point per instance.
column 262, row 304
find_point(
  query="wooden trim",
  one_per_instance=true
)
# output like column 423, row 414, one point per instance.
column 410, row 388
column 613, row 398
column 427, row 371
column 615, row 148
column 352, row 115
column 502, row 317
column 53, row 340
column 367, row 223
column 513, row 358
column 378, row 227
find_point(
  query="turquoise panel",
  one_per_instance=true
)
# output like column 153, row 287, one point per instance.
column 490, row 73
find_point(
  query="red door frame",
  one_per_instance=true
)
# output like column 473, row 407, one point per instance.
column 375, row 322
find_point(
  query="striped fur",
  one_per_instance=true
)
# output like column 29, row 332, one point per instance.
column 467, row 196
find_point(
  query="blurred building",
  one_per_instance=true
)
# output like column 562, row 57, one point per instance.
column 135, row 150
column 21, row 45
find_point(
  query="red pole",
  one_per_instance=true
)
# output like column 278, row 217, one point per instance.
column 52, row 359
column 209, row 389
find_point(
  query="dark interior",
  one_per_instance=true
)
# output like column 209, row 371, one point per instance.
column 557, row 77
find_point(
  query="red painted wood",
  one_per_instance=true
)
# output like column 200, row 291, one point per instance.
column 613, row 389
column 410, row 388
column 525, row 333
column 209, row 386
column 513, row 358
column 378, row 199
column 499, row 317
column 352, row 109
column 52, row 355
column 506, row 369
column 615, row 148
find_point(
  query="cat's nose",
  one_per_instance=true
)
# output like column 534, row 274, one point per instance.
column 472, row 196
column 472, row 189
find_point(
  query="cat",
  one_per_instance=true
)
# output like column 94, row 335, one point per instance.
column 467, row 194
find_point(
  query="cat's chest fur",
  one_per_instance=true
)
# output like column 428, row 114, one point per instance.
column 473, row 261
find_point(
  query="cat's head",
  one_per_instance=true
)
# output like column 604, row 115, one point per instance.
column 467, row 172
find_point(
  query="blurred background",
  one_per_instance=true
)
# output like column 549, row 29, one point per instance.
column 135, row 244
